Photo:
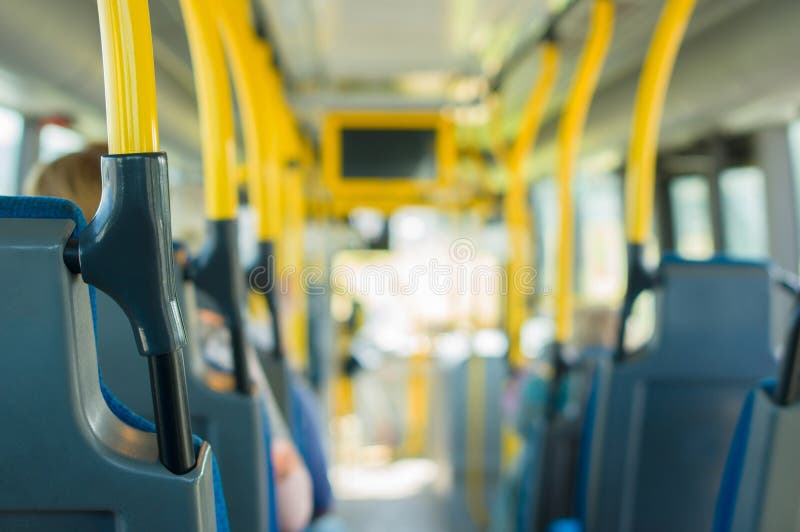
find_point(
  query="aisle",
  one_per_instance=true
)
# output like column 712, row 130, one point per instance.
column 397, row 497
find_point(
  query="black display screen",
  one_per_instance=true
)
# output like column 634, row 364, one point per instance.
column 389, row 153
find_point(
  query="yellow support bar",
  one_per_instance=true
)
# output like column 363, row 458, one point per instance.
column 130, row 82
column 272, row 127
column 215, row 109
column 289, row 132
column 518, row 218
column 476, row 436
column 417, row 405
column 570, row 131
column 536, row 106
column 248, row 69
column 652, row 92
column 293, row 253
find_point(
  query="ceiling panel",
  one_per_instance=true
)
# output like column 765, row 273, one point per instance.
column 351, row 42
column 334, row 52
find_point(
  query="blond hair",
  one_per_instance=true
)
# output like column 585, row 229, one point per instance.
column 75, row 176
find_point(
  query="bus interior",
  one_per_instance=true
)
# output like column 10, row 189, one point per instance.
column 384, row 266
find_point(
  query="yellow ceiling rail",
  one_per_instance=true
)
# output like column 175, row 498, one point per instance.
column 570, row 131
column 215, row 109
column 650, row 97
column 130, row 82
column 518, row 217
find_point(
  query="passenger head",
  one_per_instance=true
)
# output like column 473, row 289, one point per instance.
column 596, row 326
column 75, row 177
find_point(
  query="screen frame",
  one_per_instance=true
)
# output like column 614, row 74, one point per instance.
column 379, row 192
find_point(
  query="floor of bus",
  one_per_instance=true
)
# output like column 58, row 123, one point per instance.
column 399, row 496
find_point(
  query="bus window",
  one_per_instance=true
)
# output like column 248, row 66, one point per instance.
column 794, row 146
column 11, row 125
column 602, row 243
column 545, row 208
column 691, row 213
column 55, row 141
column 744, row 220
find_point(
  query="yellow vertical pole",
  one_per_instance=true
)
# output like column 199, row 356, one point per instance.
column 131, row 115
column 130, row 83
column 641, row 162
column 648, row 112
column 272, row 215
column 265, row 113
column 294, row 242
column 215, row 110
column 476, row 434
column 570, row 132
column 232, row 17
column 248, row 62
column 518, row 217
column 417, row 405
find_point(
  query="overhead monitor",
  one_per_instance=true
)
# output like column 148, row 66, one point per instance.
column 386, row 157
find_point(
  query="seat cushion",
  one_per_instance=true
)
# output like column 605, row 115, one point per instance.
column 59, row 208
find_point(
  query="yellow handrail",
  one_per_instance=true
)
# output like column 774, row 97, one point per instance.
column 536, row 106
column 130, row 84
column 296, row 311
column 247, row 66
column 652, row 91
column 272, row 126
column 417, row 405
column 518, row 218
column 215, row 109
column 570, row 131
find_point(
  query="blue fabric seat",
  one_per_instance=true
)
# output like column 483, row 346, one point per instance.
column 59, row 208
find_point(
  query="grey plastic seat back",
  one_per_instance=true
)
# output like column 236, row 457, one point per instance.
column 554, row 494
column 68, row 462
column 474, row 395
column 230, row 421
column 768, row 491
column 664, row 420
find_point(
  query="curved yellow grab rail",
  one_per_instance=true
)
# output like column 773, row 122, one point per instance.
column 518, row 218
column 536, row 106
column 215, row 108
column 247, row 64
column 130, row 82
column 570, row 131
column 652, row 92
